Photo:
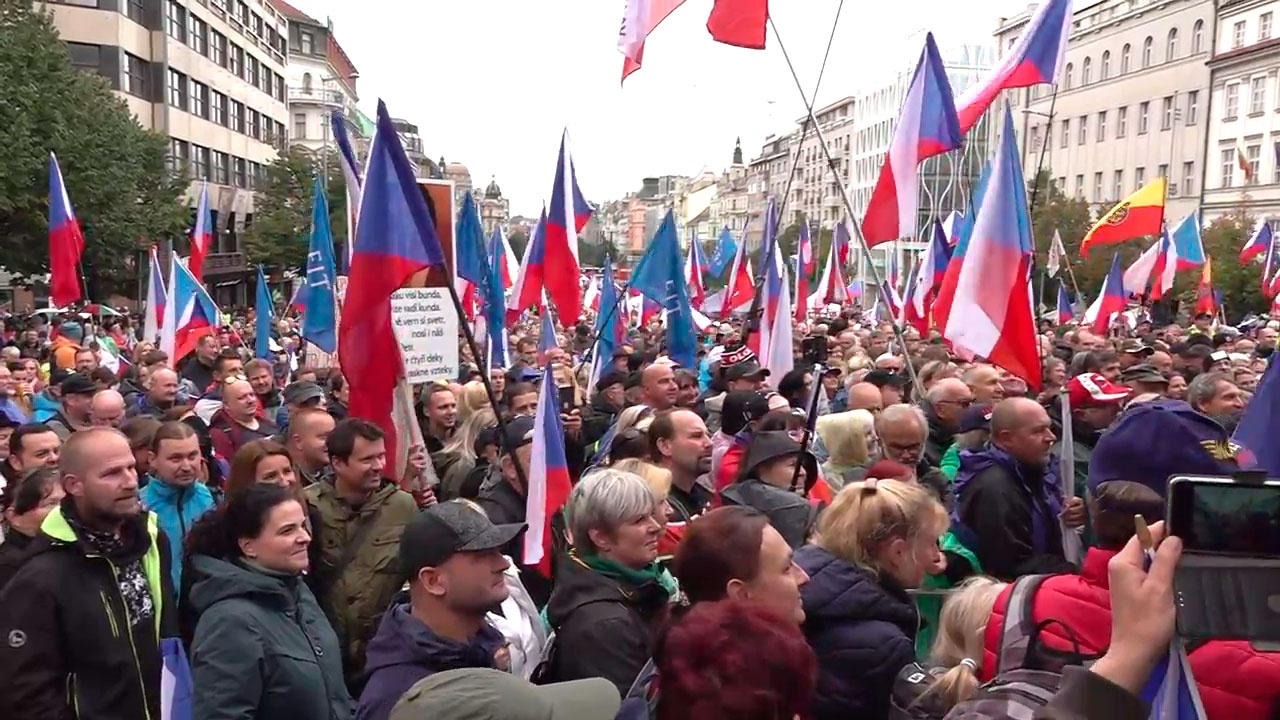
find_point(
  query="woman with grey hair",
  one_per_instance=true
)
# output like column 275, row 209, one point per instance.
column 610, row 593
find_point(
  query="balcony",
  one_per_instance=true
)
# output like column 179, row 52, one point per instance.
column 225, row 263
column 317, row 96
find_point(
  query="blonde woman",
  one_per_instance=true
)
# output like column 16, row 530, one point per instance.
column 472, row 398
column 951, row 675
column 849, row 438
column 458, row 457
column 875, row 542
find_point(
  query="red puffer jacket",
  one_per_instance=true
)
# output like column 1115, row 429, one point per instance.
column 1236, row 681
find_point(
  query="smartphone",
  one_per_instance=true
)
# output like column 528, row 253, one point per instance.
column 567, row 398
column 1227, row 583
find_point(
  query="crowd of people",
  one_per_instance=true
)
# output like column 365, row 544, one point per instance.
column 883, row 532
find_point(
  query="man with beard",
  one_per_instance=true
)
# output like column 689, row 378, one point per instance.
column 1007, row 500
column 679, row 442
column 88, row 610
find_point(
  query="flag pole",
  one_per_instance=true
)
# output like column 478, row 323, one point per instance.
column 848, row 205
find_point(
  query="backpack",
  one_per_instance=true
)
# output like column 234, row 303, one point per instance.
column 1015, row 695
column 1020, row 648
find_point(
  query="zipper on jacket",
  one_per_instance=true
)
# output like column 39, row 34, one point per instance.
column 111, row 616
column 182, row 521
column 137, row 664
column 297, row 620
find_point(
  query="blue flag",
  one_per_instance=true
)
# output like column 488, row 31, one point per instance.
column 659, row 276
column 726, row 248
column 177, row 693
column 265, row 313
column 608, row 323
column 495, row 303
column 319, row 318
column 469, row 243
column 1171, row 691
column 1257, row 430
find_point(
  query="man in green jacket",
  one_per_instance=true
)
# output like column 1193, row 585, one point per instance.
column 360, row 516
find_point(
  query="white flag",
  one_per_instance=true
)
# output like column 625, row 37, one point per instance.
column 1056, row 252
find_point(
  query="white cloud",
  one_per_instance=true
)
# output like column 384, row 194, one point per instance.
column 491, row 83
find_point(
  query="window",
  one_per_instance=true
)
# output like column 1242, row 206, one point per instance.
column 220, row 170
column 306, row 83
column 200, row 162
column 1231, row 103
column 300, row 126
column 177, row 21
column 1237, row 35
column 1253, row 154
column 1066, row 133
column 1139, row 177
column 279, row 93
column 235, row 60
column 1104, row 68
column 1264, row 26
column 253, row 68
column 179, row 155
column 1124, row 59
column 1257, row 95
column 257, row 26
column 218, row 48
column 1171, row 46
column 1086, row 71
column 1143, row 109
column 1188, row 178
column 1035, row 137
column 1122, row 122
column 1102, row 126
column 253, row 124
column 1193, row 107
column 217, row 108
column 1117, row 185
column 1082, row 133
column 1066, row 82
column 1197, row 37
column 1166, row 113
column 1080, row 187
column 239, row 177
column 199, row 98
column 1146, row 53
column 237, row 115
column 1062, row 184
column 85, row 57
column 1097, row 187
column 306, row 43
column 177, row 89
column 137, row 11
column 1163, row 170
column 134, row 77
column 197, row 34
column 1228, row 167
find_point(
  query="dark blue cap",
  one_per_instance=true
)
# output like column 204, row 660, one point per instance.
column 1153, row 441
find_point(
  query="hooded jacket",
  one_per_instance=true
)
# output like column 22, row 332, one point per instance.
column 789, row 512
column 44, row 406
column 862, row 630
column 1008, row 513
column 177, row 508
column 71, row 650
column 405, row 651
column 603, row 626
column 262, row 647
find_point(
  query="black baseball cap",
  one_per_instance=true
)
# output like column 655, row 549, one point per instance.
column 519, row 432
column 78, row 384
column 975, row 417
column 746, row 369
column 610, row 377
column 443, row 530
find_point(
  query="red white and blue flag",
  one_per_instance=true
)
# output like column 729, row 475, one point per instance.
column 927, row 126
column 1113, row 299
column 189, row 312
column 1188, row 243
column 154, row 311
column 694, row 266
column 547, row 475
column 350, row 173
column 1171, row 691
column 931, row 269
column 526, row 290
column 1259, row 242
column 1066, row 312
column 1138, row 275
column 1035, row 58
column 201, row 234
column 1271, row 272
column 639, row 18
column 1166, row 267
column 177, row 691
column 984, row 306
column 805, row 265
column 831, row 289
column 395, row 238
column 66, row 241
column 777, row 350
column 740, row 288
column 567, row 215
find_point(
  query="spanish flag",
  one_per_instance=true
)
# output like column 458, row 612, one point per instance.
column 1142, row 213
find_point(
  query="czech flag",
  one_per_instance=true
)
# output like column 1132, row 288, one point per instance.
column 156, row 294
column 609, row 325
column 639, row 18
column 66, row 241
column 201, row 234
column 1166, row 267
column 778, row 352
column 805, row 265
column 547, row 475
column 526, row 291
column 1259, row 242
column 1142, row 213
column 591, row 295
column 932, row 268
column 1187, row 242
column 189, row 313
column 567, row 216
column 741, row 286
column 693, row 268
column 1138, row 275
column 927, row 126
column 350, row 173
column 1066, row 313
column 1034, row 59
column 472, row 257
column 1110, row 301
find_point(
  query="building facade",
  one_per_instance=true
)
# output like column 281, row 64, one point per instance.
column 494, row 209
column 1242, row 161
column 815, row 191
column 1131, row 104
column 768, row 172
column 322, row 82
column 209, row 74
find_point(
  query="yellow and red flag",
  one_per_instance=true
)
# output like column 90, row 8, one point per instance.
column 1142, row 213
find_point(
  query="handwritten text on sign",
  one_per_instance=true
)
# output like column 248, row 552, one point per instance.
column 426, row 325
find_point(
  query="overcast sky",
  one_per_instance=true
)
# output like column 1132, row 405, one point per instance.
column 491, row 83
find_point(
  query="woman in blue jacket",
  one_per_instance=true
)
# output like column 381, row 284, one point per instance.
column 876, row 540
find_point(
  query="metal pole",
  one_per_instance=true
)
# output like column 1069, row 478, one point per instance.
column 848, row 205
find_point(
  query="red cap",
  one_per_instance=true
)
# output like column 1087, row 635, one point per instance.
column 1091, row 389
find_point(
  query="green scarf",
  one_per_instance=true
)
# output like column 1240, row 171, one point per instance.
column 653, row 572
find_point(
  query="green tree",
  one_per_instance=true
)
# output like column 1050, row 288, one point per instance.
column 281, row 231
column 115, row 172
column 518, row 240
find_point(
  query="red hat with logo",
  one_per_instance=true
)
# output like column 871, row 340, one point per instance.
column 1092, row 390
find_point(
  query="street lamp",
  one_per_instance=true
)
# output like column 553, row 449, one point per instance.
column 328, row 118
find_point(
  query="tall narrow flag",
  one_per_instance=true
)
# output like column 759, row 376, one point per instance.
column 990, row 313
column 201, row 234
column 726, row 250
column 526, row 291
column 609, row 323
column 1142, row 213
column 779, row 352
column 740, row 287
column 932, row 268
column 659, row 276
column 494, row 302
column 472, row 258
column 264, row 313
column 567, row 215
column 1260, row 241
column 927, row 126
column 739, row 22
column 189, row 313
column 1246, row 167
column 831, row 288
column 1066, row 312
column 1205, row 300
column 395, row 238
column 952, row 226
column 963, row 232
column 591, row 295
column 547, row 474
column 66, row 241
column 1035, row 58
column 155, row 299
column 1111, row 300
column 320, row 303
column 1188, row 242
column 805, row 263
column 693, row 274
column 639, row 18
column 1138, row 275
column 1056, row 252
column 351, row 174
column 177, row 694
column 1166, row 267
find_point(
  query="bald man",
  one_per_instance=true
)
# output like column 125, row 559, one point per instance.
column 1007, row 495
column 106, row 409
column 945, row 403
column 161, row 395
column 984, row 382
column 865, row 396
column 658, row 387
